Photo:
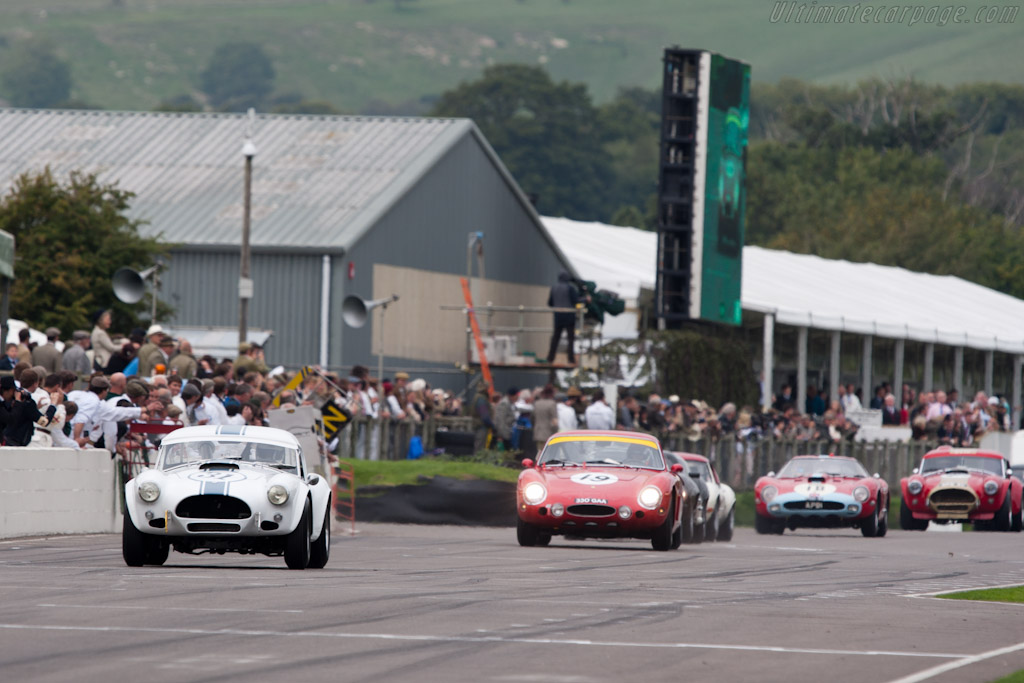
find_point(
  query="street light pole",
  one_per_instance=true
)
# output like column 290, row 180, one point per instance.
column 245, row 285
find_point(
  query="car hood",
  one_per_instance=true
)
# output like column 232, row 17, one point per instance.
column 814, row 484
column 620, row 473
column 228, row 472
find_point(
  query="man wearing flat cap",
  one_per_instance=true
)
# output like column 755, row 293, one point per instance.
column 46, row 355
column 75, row 358
column 149, row 353
column 250, row 359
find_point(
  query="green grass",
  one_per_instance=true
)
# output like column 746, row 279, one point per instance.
column 1012, row 594
column 1016, row 677
column 353, row 53
column 397, row 472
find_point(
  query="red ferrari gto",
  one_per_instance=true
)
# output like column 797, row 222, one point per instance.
column 962, row 485
column 591, row 484
column 821, row 491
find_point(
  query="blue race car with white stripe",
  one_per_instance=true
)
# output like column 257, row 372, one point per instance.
column 218, row 489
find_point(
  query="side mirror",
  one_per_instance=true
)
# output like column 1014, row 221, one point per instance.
column 877, row 475
column 527, row 463
column 313, row 479
column 770, row 474
column 914, row 471
column 1009, row 473
column 676, row 468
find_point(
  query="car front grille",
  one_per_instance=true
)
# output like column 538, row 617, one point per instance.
column 952, row 501
column 591, row 510
column 217, row 527
column 213, row 507
column 814, row 505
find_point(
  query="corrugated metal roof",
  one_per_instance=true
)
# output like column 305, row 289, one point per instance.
column 318, row 181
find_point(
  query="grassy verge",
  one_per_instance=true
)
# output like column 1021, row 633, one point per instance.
column 396, row 472
column 1016, row 677
column 1012, row 594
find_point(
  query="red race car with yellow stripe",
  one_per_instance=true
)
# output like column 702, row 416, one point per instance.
column 597, row 484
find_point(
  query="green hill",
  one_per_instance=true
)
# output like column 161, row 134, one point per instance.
column 381, row 55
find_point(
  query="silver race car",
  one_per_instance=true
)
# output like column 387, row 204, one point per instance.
column 218, row 489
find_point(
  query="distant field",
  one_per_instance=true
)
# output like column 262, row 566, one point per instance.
column 355, row 53
column 1011, row 594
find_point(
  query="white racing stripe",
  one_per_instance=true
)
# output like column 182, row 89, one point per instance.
column 953, row 666
column 150, row 608
column 480, row 639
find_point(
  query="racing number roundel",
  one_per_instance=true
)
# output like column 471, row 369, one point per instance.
column 594, row 478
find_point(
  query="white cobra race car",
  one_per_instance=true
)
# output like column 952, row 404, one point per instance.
column 229, row 488
column 721, row 512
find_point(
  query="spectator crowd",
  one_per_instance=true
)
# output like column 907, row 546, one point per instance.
column 87, row 395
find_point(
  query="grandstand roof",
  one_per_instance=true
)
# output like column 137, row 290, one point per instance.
column 810, row 291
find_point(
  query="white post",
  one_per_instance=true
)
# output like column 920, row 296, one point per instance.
column 1015, row 402
column 897, row 372
column 867, row 388
column 801, row 370
column 767, row 364
column 958, row 372
column 833, row 369
column 325, row 310
column 989, row 355
column 929, row 366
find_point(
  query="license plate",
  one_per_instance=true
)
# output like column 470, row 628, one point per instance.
column 814, row 505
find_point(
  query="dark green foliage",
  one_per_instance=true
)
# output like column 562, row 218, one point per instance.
column 180, row 103
column 239, row 76
column 70, row 238
column 712, row 364
column 546, row 133
column 34, row 76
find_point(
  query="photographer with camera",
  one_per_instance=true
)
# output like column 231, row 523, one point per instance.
column 21, row 410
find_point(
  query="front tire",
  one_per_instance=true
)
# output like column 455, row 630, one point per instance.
column 869, row 525
column 1017, row 520
column 883, row 522
column 1003, row 520
column 726, row 529
column 907, row 520
column 320, row 551
column 764, row 525
column 528, row 535
column 138, row 548
column 662, row 538
column 297, row 546
column 691, row 532
column 711, row 527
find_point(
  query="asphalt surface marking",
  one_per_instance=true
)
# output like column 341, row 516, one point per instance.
column 953, row 666
column 151, row 608
column 966, row 659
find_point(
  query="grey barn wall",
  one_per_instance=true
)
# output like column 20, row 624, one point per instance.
column 429, row 228
column 203, row 288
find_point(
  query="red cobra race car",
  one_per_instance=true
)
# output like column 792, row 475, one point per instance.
column 821, row 491
column 592, row 484
column 962, row 485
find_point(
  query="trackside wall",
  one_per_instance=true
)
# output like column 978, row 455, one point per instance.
column 56, row 491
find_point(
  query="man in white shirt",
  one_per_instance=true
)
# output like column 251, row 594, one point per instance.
column 567, row 419
column 599, row 414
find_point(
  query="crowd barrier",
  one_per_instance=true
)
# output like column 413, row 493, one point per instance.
column 57, row 491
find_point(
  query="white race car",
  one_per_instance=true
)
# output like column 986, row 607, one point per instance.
column 721, row 513
column 218, row 489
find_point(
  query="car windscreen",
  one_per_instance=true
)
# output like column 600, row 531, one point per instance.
column 971, row 462
column 200, row 450
column 837, row 467
column 611, row 452
column 699, row 468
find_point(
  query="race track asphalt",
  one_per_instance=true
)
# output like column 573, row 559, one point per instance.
column 441, row 603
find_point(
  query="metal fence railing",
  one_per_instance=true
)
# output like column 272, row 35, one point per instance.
column 369, row 439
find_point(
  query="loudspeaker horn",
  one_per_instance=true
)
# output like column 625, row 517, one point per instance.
column 130, row 285
column 355, row 310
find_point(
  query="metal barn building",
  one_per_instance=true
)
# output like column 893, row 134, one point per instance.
column 340, row 206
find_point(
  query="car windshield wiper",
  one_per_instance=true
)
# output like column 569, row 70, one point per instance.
column 284, row 467
column 560, row 462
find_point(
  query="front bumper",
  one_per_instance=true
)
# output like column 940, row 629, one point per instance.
column 835, row 506
column 159, row 518
column 594, row 522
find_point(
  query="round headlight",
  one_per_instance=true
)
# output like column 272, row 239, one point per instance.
column 625, row 512
column 148, row 491
column 914, row 487
column 991, row 487
column 557, row 510
column 768, row 493
column 649, row 497
column 861, row 493
column 277, row 494
column 534, row 493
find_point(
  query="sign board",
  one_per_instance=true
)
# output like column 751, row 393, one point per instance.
column 335, row 419
column 302, row 421
column 865, row 418
column 6, row 254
